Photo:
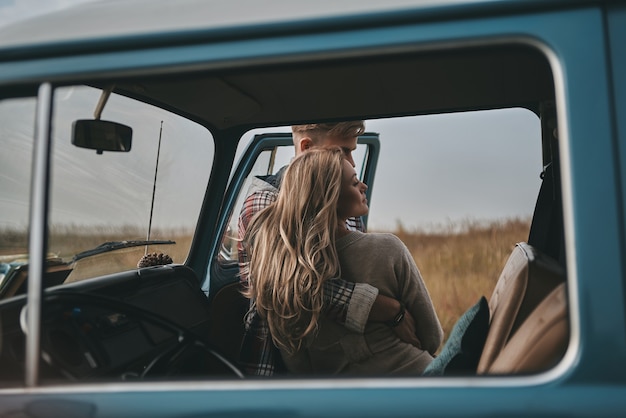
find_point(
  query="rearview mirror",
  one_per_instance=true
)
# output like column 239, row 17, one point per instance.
column 101, row 135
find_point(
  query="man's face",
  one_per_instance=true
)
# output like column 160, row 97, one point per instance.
column 347, row 145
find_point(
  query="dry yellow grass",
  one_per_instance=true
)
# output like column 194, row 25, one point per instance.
column 68, row 240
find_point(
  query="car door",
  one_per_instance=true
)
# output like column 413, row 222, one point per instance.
column 265, row 155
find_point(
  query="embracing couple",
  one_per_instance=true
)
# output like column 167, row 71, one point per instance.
column 326, row 297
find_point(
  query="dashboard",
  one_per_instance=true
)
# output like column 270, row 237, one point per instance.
column 116, row 327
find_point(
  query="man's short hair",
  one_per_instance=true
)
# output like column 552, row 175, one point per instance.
column 316, row 131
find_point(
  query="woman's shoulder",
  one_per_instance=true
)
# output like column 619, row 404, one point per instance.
column 383, row 240
column 384, row 237
column 379, row 240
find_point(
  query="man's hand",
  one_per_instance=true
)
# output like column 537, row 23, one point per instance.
column 405, row 330
column 385, row 309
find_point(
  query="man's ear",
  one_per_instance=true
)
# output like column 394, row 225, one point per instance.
column 304, row 144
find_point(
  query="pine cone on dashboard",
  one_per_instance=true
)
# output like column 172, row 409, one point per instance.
column 154, row 259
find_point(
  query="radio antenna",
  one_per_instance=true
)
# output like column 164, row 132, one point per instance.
column 156, row 170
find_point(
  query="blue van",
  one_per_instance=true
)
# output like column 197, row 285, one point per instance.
column 131, row 132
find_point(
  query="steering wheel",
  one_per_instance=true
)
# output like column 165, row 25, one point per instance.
column 188, row 354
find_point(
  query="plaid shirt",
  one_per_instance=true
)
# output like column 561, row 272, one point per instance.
column 259, row 356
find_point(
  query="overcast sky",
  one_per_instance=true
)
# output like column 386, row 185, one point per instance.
column 13, row 10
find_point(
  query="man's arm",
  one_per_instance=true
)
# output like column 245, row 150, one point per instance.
column 355, row 304
column 253, row 204
column 258, row 356
column 385, row 309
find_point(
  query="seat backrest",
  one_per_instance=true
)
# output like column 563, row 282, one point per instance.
column 546, row 230
column 226, row 319
column 526, row 280
column 540, row 342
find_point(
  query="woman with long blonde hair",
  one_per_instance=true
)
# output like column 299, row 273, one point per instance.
column 300, row 241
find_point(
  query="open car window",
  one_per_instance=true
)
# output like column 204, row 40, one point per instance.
column 459, row 190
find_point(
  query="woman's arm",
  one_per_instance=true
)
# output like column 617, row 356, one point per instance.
column 416, row 297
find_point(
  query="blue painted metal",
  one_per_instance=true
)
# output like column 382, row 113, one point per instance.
column 589, row 84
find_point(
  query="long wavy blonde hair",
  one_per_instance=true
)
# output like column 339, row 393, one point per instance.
column 292, row 250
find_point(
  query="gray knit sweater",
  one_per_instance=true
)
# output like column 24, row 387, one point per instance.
column 383, row 261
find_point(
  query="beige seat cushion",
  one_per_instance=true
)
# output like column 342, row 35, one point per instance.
column 527, row 278
column 540, row 342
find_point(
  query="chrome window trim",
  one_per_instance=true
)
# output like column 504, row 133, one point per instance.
column 38, row 231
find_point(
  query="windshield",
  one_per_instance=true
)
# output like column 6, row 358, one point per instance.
column 109, row 208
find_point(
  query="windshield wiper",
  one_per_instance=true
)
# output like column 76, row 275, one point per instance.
column 116, row 245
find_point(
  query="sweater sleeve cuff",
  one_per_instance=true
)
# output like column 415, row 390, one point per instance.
column 360, row 306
